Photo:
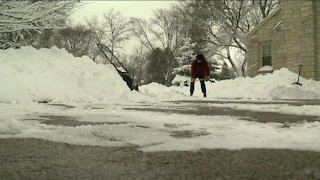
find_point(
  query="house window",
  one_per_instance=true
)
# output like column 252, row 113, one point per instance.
column 266, row 55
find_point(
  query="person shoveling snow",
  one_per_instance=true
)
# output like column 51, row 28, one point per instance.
column 199, row 69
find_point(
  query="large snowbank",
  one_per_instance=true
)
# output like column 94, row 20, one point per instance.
column 277, row 85
column 28, row 74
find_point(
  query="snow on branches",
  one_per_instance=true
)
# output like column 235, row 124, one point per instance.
column 22, row 19
column 185, row 53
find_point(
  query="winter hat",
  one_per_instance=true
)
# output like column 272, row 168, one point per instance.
column 200, row 56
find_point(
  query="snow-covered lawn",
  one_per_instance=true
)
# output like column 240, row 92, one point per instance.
column 99, row 96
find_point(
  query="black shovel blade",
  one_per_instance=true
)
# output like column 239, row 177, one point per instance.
column 297, row 84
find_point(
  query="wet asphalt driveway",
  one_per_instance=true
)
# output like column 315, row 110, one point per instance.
column 40, row 159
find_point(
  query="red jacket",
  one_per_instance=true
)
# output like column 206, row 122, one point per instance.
column 199, row 70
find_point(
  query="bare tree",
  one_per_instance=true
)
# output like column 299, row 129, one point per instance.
column 164, row 32
column 136, row 63
column 167, row 29
column 77, row 40
column 224, row 28
column 230, row 21
column 140, row 28
column 21, row 21
column 265, row 6
column 193, row 23
column 112, row 30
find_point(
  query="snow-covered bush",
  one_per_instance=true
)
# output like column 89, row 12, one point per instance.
column 185, row 53
column 182, row 75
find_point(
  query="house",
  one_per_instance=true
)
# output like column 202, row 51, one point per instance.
column 288, row 37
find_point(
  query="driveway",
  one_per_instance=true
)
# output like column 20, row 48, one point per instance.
column 40, row 159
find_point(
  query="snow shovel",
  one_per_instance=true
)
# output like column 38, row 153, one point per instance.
column 297, row 83
column 129, row 78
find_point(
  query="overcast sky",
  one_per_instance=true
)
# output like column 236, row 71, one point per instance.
column 142, row 9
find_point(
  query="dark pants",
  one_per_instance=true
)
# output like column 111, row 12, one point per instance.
column 203, row 87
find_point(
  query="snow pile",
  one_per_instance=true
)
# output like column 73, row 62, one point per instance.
column 161, row 92
column 31, row 75
column 28, row 74
column 10, row 126
column 277, row 85
column 180, row 80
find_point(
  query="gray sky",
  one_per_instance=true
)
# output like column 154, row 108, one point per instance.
column 142, row 9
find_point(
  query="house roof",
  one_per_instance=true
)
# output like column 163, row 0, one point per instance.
column 263, row 21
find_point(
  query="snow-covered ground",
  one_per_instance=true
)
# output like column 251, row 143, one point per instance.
column 28, row 76
column 152, row 131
